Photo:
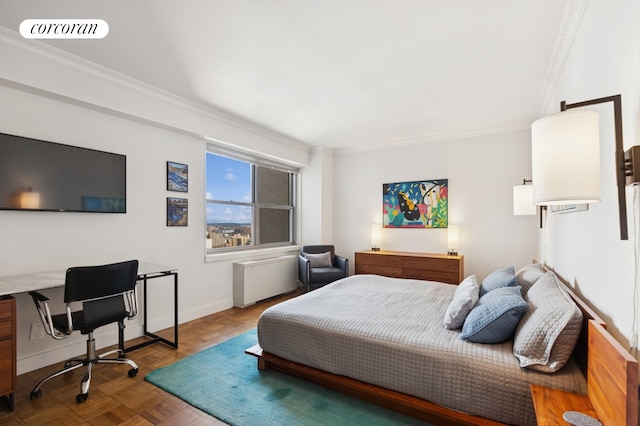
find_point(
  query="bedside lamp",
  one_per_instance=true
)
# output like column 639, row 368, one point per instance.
column 565, row 153
column 452, row 239
column 375, row 237
column 523, row 199
column 29, row 199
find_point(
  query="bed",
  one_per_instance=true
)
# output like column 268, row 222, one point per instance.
column 383, row 340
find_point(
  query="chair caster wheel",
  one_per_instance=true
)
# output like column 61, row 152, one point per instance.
column 133, row 372
column 82, row 397
column 36, row 394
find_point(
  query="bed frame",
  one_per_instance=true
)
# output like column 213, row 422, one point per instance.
column 612, row 379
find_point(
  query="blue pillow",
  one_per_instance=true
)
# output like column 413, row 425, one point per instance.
column 495, row 317
column 497, row 279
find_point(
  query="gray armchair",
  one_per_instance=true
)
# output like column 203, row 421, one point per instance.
column 319, row 265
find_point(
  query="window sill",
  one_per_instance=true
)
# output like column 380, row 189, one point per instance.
column 252, row 254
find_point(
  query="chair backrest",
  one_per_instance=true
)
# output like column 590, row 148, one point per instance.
column 95, row 282
column 319, row 249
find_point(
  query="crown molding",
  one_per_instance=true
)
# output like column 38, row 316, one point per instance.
column 571, row 20
column 404, row 143
column 55, row 55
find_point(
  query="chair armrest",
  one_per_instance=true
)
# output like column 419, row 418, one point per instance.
column 304, row 269
column 38, row 296
column 342, row 263
column 131, row 298
column 42, row 306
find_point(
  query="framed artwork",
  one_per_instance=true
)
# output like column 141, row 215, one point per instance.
column 177, row 211
column 177, row 177
column 418, row 204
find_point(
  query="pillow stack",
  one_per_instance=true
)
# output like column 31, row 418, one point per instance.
column 529, row 306
column 495, row 317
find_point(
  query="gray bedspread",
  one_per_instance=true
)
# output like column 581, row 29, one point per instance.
column 389, row 332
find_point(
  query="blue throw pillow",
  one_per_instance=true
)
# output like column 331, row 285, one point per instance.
column 495, row 317
column 497, row 279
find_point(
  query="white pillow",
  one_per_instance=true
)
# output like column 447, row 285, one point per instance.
column 548, row 332
column 528, row 275
column 464, row 299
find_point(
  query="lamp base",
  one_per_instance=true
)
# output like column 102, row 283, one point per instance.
column 452, row 253
column 375, row 248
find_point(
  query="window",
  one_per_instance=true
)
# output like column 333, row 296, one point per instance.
column 250, row 202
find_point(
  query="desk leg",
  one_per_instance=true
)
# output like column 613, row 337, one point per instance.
column 154, row 337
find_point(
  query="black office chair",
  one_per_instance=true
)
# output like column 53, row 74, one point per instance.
column 108, row 295
column 316, row 268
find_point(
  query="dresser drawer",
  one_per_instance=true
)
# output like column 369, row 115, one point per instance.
column 8, row 379
column 428, row 264
column 6, row 329
column 378, row 265
column 6, row 310
column 6, row 367
column 378, row 260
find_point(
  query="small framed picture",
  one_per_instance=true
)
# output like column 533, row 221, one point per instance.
column 177, row 211
column 177, row 177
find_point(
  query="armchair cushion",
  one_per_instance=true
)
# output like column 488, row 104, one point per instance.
column 319, row 260
column 326, row 274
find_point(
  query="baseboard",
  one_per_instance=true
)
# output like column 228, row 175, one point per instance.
column 61, row 350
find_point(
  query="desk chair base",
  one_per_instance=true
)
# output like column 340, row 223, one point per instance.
column 88, row 362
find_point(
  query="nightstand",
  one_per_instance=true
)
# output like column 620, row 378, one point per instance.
column 550, row 404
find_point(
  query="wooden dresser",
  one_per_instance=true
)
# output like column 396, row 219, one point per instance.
column 8, row 376
column 419, row 266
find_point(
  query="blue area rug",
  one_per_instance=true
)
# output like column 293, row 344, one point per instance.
column 225, row 382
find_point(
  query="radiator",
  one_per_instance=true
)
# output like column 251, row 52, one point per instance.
column 261, row 279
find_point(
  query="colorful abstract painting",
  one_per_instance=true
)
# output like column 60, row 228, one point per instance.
column 420, row 204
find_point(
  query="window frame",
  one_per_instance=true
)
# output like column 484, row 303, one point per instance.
column 254, row 162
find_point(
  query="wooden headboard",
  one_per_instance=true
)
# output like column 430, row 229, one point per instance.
column 611, row 372
column 612, row 379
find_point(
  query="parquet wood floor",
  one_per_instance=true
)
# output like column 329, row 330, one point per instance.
column 116, row 399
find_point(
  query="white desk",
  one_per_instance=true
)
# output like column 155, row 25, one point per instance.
column 146, row 271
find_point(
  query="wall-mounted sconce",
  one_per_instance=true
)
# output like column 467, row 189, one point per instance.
column 565, row 150
column 452, row 240
column 29, row 199
column 523, row 199
column 375, row 236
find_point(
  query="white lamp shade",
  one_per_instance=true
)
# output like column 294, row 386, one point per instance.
column 375, row 235
column 452, row 238
column 523, row 200
column 565, row 154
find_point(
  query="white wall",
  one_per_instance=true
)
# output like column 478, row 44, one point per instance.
column 481, row 171
column 585, row 247
column 316, row 198
column 47, row 96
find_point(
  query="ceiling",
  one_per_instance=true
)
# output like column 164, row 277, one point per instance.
column 334, row 73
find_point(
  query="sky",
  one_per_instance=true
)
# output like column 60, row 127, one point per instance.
column 228, row 179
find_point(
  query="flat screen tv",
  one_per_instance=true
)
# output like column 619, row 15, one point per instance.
column 47, row 176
